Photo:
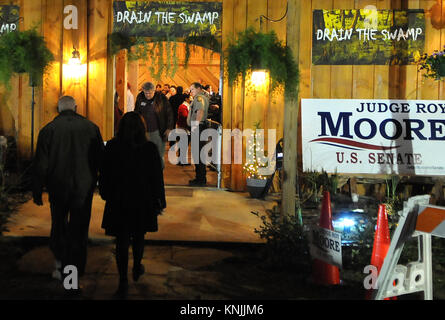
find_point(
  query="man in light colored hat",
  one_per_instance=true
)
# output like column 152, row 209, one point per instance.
column 157, row 113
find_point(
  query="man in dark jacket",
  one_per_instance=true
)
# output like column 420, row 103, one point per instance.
column 68, row 155
column 214, row 106
column 157, row 113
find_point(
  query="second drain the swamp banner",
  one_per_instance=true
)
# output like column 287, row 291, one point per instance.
column 367, row 37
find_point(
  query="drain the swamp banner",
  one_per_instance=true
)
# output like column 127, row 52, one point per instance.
column 367, row 37
column 169, row 18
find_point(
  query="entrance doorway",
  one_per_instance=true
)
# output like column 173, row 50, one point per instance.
column 203, row 66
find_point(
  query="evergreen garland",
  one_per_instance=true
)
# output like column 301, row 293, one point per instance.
column 145, row 49
column 257, row 50
column 24, row 52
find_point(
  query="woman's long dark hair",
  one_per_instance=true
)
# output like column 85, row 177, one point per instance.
column 132, row 129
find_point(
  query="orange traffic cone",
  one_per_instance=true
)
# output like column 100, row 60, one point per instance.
column 382, row 241
column 322, row 272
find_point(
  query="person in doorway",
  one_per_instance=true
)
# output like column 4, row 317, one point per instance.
column 183, row 111
column 130, row 98
column 196, row 119
column 214, row 105
column 166, row 89
column 156, row 111
column 171, row 92
column 67, row 161
column 175, row 101
column 131, row 183
column 172, row 96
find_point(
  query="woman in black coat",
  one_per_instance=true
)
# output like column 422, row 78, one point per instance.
column 131, row 182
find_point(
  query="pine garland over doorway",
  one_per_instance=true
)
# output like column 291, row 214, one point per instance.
column 153, row 49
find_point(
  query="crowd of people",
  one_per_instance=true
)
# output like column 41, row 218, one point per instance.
column 179, row 100
column 71, row 159
column 172, row 105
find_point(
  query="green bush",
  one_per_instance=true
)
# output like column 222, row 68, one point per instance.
column 286, row 242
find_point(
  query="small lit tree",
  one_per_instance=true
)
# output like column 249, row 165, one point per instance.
column 253, row 164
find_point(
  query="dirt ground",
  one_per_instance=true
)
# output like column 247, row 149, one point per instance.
column 177, row 273
column 232, row 274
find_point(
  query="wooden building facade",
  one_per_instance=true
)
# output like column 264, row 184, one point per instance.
column 241, row 110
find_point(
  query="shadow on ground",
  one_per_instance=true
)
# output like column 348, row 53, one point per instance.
column 173, row 272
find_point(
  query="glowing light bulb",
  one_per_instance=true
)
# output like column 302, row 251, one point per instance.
column 258, row 77
column 74, row 70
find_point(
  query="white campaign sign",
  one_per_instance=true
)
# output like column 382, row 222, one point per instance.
column 374, row 136
column 325, row 245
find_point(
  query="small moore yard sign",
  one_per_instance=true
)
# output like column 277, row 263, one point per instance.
column 325, row 245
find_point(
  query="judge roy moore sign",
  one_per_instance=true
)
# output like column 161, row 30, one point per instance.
column 374, row 136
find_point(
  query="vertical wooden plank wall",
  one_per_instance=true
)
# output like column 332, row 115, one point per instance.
column 305, row 67
column 274, row 109
column 320, row 75
column 382, row 73
column 239, row 24
column 254, row 106
column 98, row 105
column 111, row 76
column 363, row 77
column 341, row 76
column 428, row 89
column 32, row 16
column 408, row 75
column 52, row 83
column 76, row 38
column 227, row 97
column 394, row 74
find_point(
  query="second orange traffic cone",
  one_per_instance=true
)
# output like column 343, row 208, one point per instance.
column 322, row 272
column 382, row 241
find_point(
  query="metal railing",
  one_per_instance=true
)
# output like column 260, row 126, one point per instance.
column 216, row 125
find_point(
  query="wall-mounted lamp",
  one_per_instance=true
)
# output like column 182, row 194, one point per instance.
column 75, row 59
column 74, row 70
column 259, row 77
